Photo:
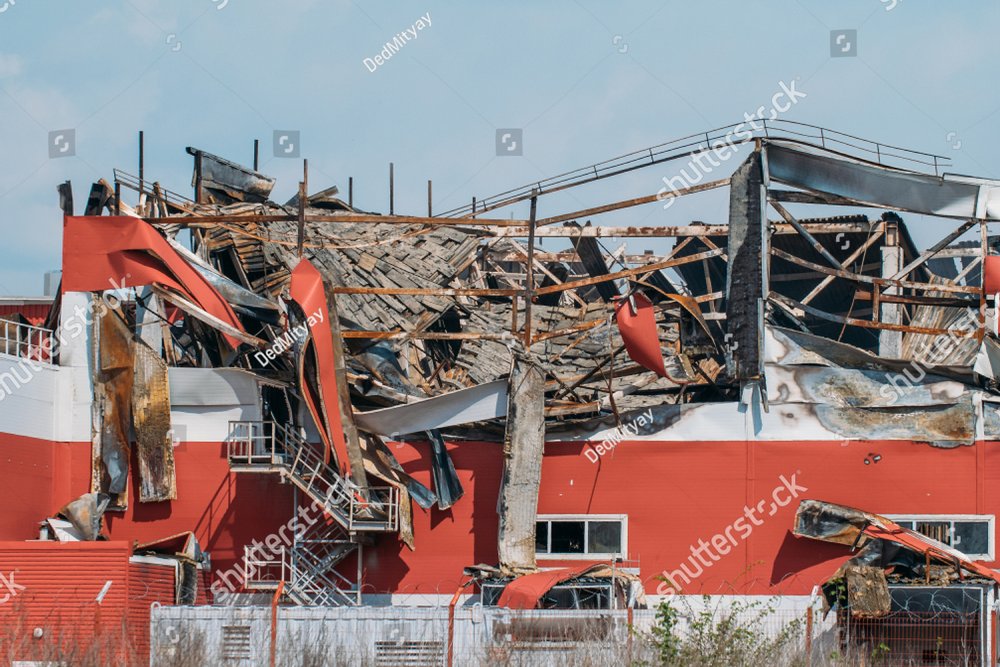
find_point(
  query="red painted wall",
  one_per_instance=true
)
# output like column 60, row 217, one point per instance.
column 224, row 510
column 674, row 494
column 677, row 493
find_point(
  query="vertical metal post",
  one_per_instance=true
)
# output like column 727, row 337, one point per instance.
column 473, row 214
column 141, row 163
column 392, row 193
column 984, row 250
column 197, row 178
column 256, row 154
column 529, row 282
column 274, row 621
column 809, row 635
column 350, row 191
column 513, row 315
column 118, row 198
column 429, row 197
column 303, row 189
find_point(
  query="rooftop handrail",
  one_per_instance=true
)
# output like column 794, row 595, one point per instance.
column 746, row 130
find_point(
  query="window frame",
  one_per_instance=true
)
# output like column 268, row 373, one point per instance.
column 989, row 519
column 622, row 519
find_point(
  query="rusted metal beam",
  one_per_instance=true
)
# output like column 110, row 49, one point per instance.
column 529, row 283
column 884, row 282
column 933, row 250
column 847, row 262
column 700, row 231
column 427, row 335
column 676, row 261
column 804, row 233
column 303, row 195
column 637, row 201
column 877, row 297
column 796, row 197
column 853, row 321
column 429, row 291
column 521, row 253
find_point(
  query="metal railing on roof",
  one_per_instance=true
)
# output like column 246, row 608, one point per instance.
column 27, row 341
column 736, row 134
column 169, row 197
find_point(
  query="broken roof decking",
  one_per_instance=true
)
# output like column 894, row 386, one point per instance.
column 439, row 291
column 755, row 318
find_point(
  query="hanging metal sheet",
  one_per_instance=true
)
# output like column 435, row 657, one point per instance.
column 151, row 421
column 868, row 183
column 465, row 406
column 113, row 396
column 638, row 330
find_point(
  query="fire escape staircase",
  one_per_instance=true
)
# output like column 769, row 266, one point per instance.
column 311, row 568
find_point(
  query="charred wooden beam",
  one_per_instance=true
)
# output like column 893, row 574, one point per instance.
column 747, row 270
column 65, row 197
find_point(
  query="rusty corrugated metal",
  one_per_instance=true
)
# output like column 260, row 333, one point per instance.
column 151, row 420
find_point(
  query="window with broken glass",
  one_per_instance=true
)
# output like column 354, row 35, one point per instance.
column 588, row 535
column 971, row 534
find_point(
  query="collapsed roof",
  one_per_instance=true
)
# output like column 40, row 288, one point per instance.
column 431, row 316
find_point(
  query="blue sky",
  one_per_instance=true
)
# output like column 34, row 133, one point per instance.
column 586, row 80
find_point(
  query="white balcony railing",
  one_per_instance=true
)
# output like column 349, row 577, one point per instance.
column 26, row 341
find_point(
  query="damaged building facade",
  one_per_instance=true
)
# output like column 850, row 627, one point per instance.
column 326, row 406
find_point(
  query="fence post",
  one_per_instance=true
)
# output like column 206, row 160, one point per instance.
column 809, row 635
column 628, row 629
column 274, row 621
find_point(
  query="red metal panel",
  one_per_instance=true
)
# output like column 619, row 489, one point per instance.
column 308, row 292
column 148, row 583
column 101, row 253
column 525, row 592
column 55, row 592
column 34, row 313
column 991, row 279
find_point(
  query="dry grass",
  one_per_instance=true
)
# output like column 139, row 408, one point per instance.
column 49, row 642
